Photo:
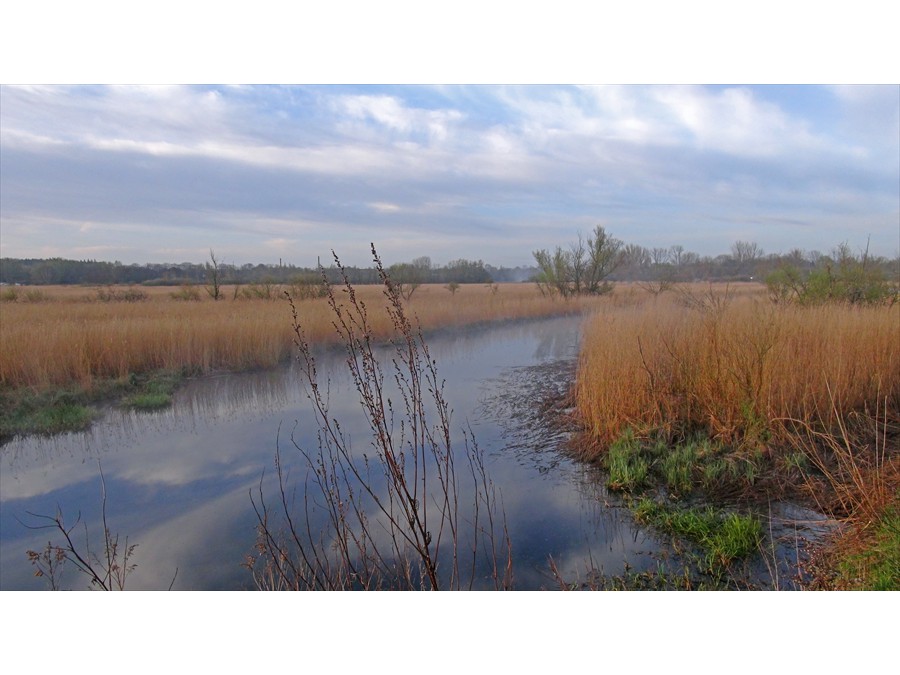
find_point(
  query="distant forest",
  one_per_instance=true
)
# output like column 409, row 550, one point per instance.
column 35, row 271
column 745, row 262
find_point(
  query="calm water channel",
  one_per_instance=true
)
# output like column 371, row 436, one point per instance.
column 179, row 481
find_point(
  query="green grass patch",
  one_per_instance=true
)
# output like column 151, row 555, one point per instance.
column 677, row 468
column 695, row 463
column 59, row 418
column 626, row 465
column 152, row 392
column 723, row 536
column 666, row 577
column 24, row 411
column 877, row 566
column 47, row 413
column 713, row 473
column 149, row 401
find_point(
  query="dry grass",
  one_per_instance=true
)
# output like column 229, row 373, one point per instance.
column 737, row 368
column 808, row 396
column 68, row 337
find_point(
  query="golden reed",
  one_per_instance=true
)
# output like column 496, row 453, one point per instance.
column 69, row 337
column 736, row 367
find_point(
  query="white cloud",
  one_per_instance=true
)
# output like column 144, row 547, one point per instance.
column 384, row 207
column 735, row 122
column 390, row 112
column 254, row 164
column 279, row 243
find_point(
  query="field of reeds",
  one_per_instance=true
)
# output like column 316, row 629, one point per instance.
column 786, row 400
column 59, row 336
column 737, row 367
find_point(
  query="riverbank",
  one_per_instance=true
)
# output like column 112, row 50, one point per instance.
column 740, row 402
column 68, row 350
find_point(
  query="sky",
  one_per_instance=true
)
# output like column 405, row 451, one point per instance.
column 267, row 173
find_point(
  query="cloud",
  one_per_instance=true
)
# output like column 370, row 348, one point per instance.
column 384, row 207
column 390, row 112
column 245, row 169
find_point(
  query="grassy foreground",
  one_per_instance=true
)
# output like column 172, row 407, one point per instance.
column 708, row 392
column 64, row 348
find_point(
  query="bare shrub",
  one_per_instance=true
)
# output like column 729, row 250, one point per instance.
column 186, row 293
column 309, row 287
column 583, row 269
column 36, row 295
column 393, row 519
column 110, row 294
column 710, row 301
column 266, row 289
column 106, row 570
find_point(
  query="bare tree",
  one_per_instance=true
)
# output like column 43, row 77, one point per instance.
column 659, row 256
column 213, row 277
column 554, row 273
column 578, row 264
column 406, row 279
column 422, row 263
column 635, row 255
column 745, row 252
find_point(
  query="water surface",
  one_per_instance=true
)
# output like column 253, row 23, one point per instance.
column 179, row 480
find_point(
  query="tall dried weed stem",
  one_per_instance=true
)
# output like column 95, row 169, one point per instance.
column 106, row 570
column 394, row 519
column 738, row 369
column 852, row 473
column 856, row 461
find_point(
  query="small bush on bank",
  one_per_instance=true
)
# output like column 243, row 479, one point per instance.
column 308, row 287
column 841, row 278
column 36, row 295
column 130, row 294
column 187, row 293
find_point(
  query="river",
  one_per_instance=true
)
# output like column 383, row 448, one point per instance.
column 178, row 481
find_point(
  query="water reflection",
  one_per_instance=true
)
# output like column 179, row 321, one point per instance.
column 178, row 480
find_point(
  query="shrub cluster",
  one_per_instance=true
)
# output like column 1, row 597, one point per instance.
column 845, row 278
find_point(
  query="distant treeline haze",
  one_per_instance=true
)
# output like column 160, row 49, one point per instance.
column 746, row 261
column 61, row 271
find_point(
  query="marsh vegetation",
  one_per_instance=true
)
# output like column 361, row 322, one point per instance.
column 685, row 395
column 721, row 393
column 71, row 344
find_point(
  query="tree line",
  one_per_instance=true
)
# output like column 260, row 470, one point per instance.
column 52, row 271
column 587, row 265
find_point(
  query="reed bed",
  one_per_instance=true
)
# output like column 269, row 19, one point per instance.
column 68, row 336
column 740, row 369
